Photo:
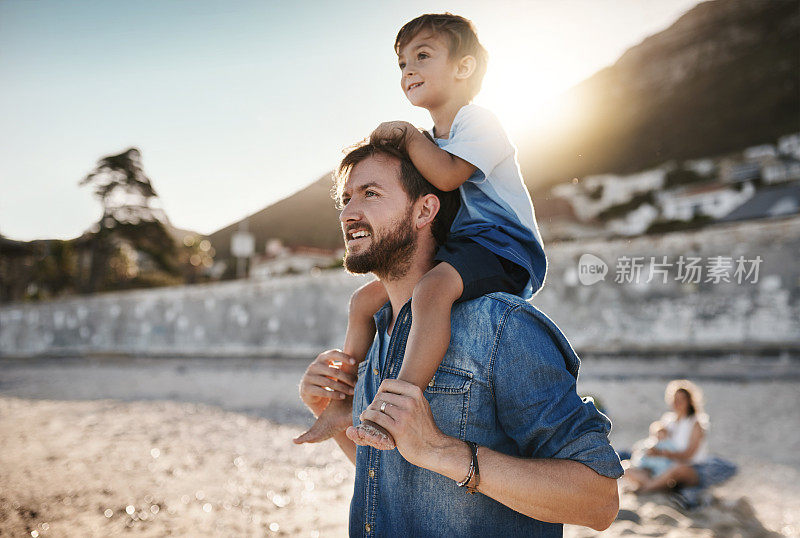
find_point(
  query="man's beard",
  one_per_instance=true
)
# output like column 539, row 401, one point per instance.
column 390, row 256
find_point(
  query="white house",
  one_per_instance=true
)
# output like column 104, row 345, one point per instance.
column 281, row 260
column 613, row 190
column 789, row 145
column 711, row 199
column 781, row 169
column 701, row 167
column 760, row 152
column 635, row 222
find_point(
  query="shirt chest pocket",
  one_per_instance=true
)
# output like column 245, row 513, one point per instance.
column 448, row 394
column 359, row 396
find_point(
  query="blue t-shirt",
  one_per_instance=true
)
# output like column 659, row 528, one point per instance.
column 496, row 209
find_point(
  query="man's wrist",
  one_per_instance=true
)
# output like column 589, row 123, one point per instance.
column 450, row 457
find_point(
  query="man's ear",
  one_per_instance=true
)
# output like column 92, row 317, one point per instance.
column 427, row 209
column 466, row 66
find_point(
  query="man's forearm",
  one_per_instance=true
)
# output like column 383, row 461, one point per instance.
column 557, row 491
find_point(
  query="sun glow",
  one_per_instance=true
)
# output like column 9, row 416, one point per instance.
column 529, row 72
column 526, row 96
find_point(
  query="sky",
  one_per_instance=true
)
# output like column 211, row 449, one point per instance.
column 238, row 104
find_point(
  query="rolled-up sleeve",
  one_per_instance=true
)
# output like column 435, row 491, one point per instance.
column 536, row 399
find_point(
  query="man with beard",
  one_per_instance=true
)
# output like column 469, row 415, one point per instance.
column 508, row 422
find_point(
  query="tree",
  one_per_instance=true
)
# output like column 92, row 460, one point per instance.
column 132, row 233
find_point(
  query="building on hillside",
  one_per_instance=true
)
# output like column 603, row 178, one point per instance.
column 280, row 260
column 769, row 202
column 789, row 145
column 756, row 153
column 595, row 194
column 635, row 222
column 733, row 172
column 701, row 167
column 780, row 170
column 714, row 199
column 557, row 221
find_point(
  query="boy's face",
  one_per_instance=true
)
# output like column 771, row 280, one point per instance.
column 428, row 76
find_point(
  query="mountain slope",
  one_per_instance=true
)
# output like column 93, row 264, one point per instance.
column 724, row 76
column 307, row 218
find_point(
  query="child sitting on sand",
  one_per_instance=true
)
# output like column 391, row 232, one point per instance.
column 659, row 439
column 494, row 243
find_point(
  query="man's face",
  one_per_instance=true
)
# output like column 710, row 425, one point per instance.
column 427, row 75
column 377, row 219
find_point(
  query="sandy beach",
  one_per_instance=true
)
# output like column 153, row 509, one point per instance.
column 81, row 464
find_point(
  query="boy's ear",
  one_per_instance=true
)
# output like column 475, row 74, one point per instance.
column 466, row 66
column 428, row 208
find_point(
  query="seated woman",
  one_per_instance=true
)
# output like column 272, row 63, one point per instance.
column 683, row 443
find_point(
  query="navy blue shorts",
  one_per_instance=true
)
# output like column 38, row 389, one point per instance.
column 482, row 271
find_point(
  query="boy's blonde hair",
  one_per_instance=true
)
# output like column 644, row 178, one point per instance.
column 462, row 40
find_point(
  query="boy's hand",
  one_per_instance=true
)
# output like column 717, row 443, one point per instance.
column 393, row 133
column 324, row 380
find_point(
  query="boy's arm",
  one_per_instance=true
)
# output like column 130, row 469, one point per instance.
column 364, row 302
column 445, row 171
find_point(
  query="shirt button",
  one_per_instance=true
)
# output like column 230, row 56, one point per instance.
column 372, row 473
column 375, row 371
column 367, row 527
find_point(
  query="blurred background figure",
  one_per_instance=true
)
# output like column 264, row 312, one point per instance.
column 676, row 453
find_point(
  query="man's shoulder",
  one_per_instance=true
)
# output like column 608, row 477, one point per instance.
column 497, row 308
column 515, row 325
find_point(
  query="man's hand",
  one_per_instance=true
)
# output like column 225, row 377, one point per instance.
column 407, row 416
column 393, row 133
column 554, row 490
column 324, row 380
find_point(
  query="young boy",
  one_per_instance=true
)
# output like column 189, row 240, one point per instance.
column 494, row 243
column 657, row 465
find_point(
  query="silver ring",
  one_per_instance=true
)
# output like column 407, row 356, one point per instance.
column 383, row 407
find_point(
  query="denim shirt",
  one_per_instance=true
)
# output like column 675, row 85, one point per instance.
column 507, row 382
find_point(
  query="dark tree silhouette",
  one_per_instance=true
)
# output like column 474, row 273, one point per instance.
column 132, row 218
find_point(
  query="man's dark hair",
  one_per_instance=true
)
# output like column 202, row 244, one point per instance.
column 414, row 184
column 462, row 40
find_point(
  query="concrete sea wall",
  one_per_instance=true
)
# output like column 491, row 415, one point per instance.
column 281, row 317
column 300, row 315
